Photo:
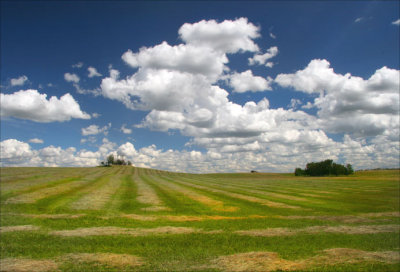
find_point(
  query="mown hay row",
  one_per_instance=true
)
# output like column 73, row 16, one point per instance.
column 205, row 200
column 106, row 231
column 63, row 186
column 147, row 195
column 363, row 229
column 97, row 198
column 187, row 218
column 33, row 182
column 108, row 259
column 4, row 229
column 27, row 265
column 269, row 190
column 270, row 261
column 45, row 192
column 260, row 190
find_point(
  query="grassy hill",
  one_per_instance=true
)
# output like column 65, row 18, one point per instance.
column 124, row 218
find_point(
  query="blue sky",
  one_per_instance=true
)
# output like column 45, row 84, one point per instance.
column 320, row 80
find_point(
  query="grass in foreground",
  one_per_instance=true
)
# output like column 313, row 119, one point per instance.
column 133, row 219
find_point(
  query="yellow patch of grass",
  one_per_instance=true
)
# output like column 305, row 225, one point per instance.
column 34, row 196
column 109, row 259
column 363, row 229
column 53, row 216
column 270, row 261
column 187, row 218
column 205, row 200
column 147, row 195
column 18, row 228
column 382, row 214
column 97, row 198
column 333, row 218
column 244, row 197
column 27, row 265
column 97, row 231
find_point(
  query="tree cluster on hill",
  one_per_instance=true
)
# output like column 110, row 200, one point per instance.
column 112, row 161
column 324, row 168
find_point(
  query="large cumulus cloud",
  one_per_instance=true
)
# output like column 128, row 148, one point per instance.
column 34, row 106
column 350, row 104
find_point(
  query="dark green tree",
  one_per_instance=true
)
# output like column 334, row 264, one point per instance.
column 349, row 169
column 110, row 159
column 324, row 168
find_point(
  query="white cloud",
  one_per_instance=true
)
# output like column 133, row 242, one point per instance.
column 90, row 139
column 272, row 35
column 262, row 59
column 36, row 141
column 34, row 106
column 359, row 19
column 227, row 36
column 294, row 103
column 71, row 77
column 126, row 130
column 95, row 129
column 183, row 58
column 181, row 91
column 350, row 104
column 19, row 81
column 397, row 22
column 14, row 150
column 161, row 90
column 93, row 72
column 127, row 150
column 269, row 64
column 295, row 150
column 246, row 81
column 95, row 91
column 188, row 99
column 77, row 65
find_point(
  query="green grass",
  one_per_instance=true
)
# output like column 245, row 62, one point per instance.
column 365, row 198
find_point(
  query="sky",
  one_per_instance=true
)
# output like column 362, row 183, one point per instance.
column 200, row 86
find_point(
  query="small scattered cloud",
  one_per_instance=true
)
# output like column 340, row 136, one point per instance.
column 270, row 64
column 359, row 19
column 77, row 65
column 93, row 72
column 272, row 35
column 71, row 77
column 397, row 22
column 80, row 90
column 90, row 139
column 34, row 106
column 20, row 81
column 294, row 103
column 262, row 59
column 96, row 115
column 95, row 129
column 36, row 141
column 126, row 130
column 308, row 106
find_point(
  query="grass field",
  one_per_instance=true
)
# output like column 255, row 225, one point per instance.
column 134, row 219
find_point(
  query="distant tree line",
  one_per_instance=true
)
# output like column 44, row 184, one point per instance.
column 112, row 161
column 324, row 168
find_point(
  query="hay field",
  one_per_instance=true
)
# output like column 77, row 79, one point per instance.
column 134, row 219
